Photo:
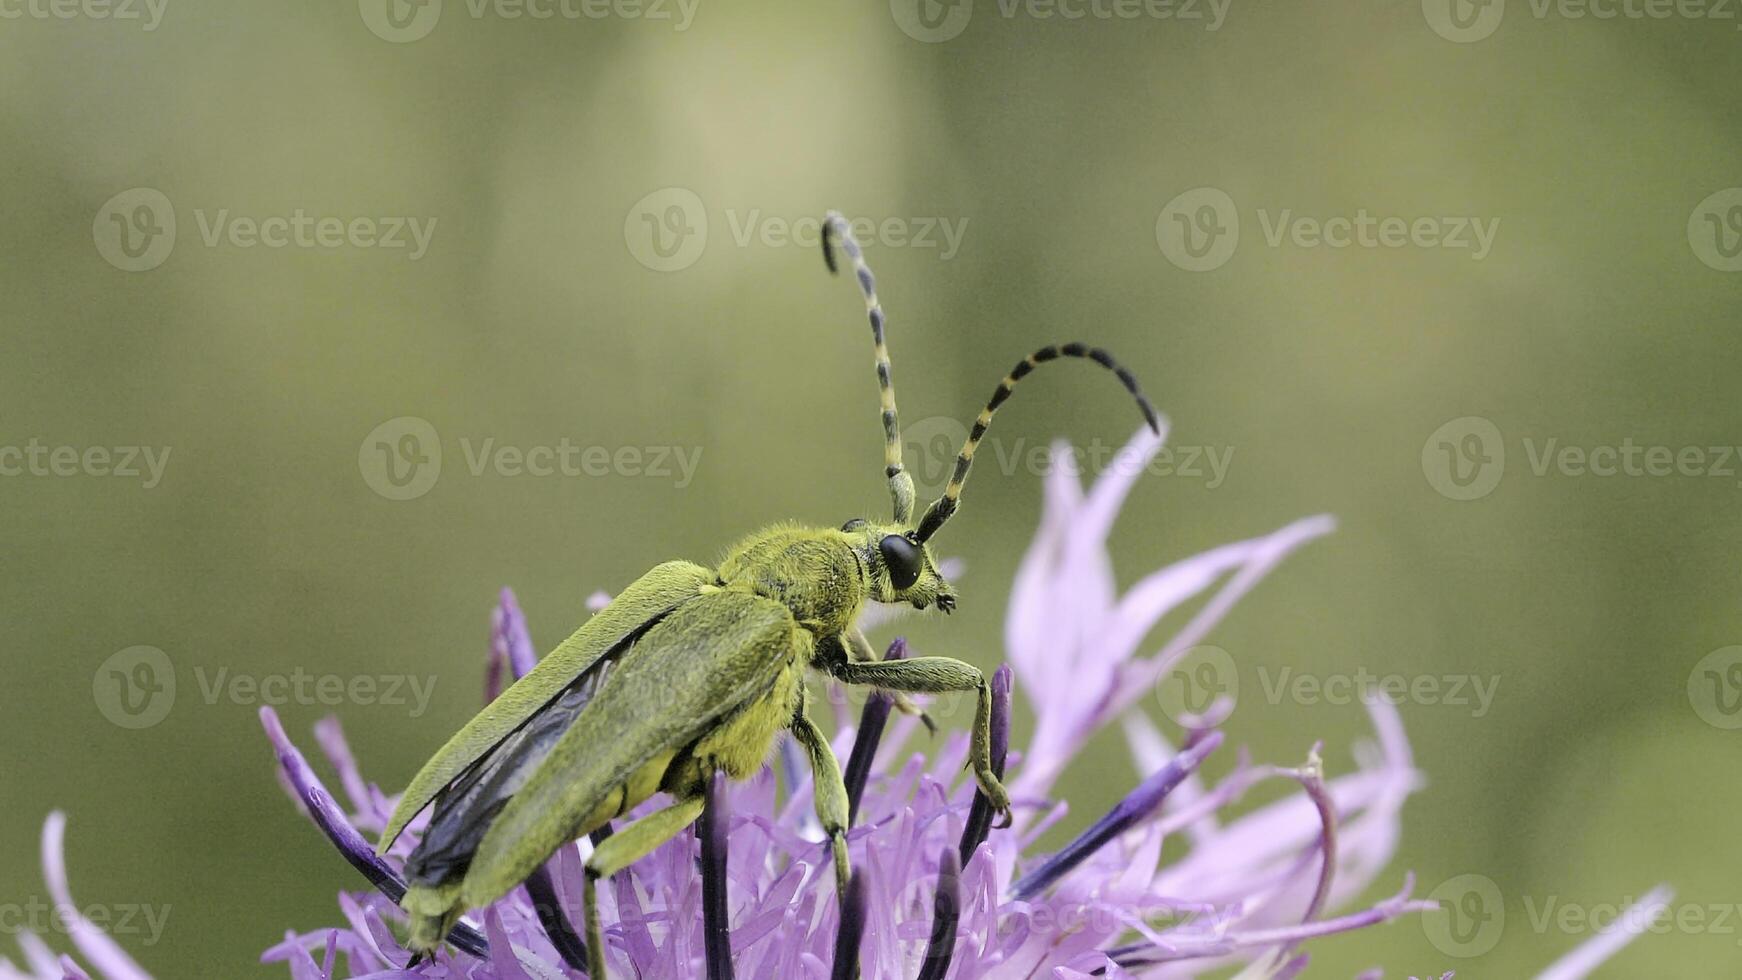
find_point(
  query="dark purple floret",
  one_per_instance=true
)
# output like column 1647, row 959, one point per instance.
column 332, row 821
column 1138, row 805
column 980, row 813
column 851, row 931
column 541, row 888
column 511, row 645
column 870, row 732
column 946, row 917
column 716, row 929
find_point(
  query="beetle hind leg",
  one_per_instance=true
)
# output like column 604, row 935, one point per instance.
column 622, row 849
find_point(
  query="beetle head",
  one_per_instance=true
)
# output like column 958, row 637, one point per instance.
column 900, row 566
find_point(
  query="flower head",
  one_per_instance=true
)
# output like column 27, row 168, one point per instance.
column 937, row 890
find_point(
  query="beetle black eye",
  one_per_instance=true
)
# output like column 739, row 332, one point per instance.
column 902, row 558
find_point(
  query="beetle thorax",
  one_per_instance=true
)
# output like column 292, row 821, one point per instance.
column 813, row 571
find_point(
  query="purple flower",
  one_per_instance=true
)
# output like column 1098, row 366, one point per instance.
column 937, row 891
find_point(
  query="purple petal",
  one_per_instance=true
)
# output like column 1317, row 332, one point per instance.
column 1219, row 943
column 502, row 960
column 103, row 952
column 1597, row 950
column 510, row 645
column 330, row 735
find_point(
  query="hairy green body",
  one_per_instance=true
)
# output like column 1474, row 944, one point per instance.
column 701, row 671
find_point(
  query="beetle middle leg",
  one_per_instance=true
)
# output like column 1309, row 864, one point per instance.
column 622, row 849
column 829, row 791
column 937, row 675
column 861, row 650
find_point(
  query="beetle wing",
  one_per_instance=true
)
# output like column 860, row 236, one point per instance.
column 463, row 811
column 708, row 659
column 609, row 631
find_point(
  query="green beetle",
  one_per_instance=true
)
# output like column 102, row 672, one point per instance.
column 691, row 671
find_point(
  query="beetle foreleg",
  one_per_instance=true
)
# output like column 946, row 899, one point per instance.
column 939, row 675
column 861, row 650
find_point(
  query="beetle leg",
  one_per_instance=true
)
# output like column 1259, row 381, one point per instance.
column 861, row 650
column 939, row 675
column 829, row 792
column 619, row 851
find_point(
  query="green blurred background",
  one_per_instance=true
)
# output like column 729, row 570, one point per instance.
column 544, row 150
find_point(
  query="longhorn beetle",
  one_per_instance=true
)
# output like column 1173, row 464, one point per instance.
column 690, row 671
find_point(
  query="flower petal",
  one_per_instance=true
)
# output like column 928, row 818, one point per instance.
column 1597, row 950
column 104, row 953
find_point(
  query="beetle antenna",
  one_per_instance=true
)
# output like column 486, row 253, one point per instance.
column 944, row 506
column 900, row 483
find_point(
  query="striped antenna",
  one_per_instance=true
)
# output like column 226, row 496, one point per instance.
column 900, row 483
column 944, row 506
